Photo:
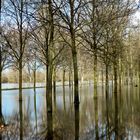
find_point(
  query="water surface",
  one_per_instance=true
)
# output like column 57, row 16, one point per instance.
column 101, row 118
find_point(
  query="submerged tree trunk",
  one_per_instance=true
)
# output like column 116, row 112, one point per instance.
column 21, row 120
column 35, row 110
column 77, row 119
column 116, row 99
column 76, row 90
column 96, row 119
column 63, row 83
column 116, row 116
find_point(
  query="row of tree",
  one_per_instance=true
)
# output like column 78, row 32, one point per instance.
column 76, row 36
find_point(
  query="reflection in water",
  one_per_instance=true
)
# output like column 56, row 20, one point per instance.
column 116, row 116
column 106, row 117
column 96, row 118
column 35, row 111
column 64, row 98
column 21, row 119
column 49, row 126
column 76, row 107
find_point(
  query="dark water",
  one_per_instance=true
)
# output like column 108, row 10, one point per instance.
column 101, row 118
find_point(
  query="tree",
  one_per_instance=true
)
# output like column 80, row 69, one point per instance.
column 17, row 33
column 69, row 23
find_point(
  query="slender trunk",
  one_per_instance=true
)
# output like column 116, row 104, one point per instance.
column 116, row 99
column 116, row 117
column 115, row 78
column 139, row 74
column 102, row 78
column 74, row 54
column 107, row 82
column 63, row 79
column 95, row 76
column 107, row 119
column 34, row 73
column 94, row 46
column 112, row 76
column 21, row 50
column 76, row 90
column 49, row 73
column 54, row 86
column 20, row 80
column 0, row 82
column 120, row 76
column 2, row 122
column 63, row 83
column 96, row 119
column 69, row 79
column 49, row 88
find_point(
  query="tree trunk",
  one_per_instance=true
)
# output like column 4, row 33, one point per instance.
column 115, row 78
column 116, row 100
column 74, row 54
column 49, row 88
column 34, row 73
column 76, row 85
column 94, row 46
column 96, row 119
column 63, row 82
column 139, row 74
column 107, row 82
column 54, row 86
column 120, row 76
column 20, row 80
column 49, row 73
column 102, row 78
column 0, row 82
column 69, row 79
column 2, row 122
column 95, row 76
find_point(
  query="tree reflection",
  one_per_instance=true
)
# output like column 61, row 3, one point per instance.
column 64, row 98
column 96, row 118
column 107, row 117
column 35, row 110
column 116, row 113
column 76, row 107
column 21, row 119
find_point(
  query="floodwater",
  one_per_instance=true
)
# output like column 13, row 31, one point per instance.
column 102, row 118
